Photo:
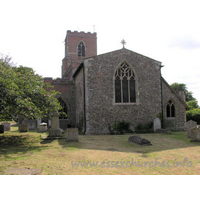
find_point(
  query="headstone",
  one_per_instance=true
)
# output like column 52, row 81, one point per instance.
column 31, row 124
column 43, row 127
column 6, row 126
column 1, row 128
column 195, row 134
column 38, row 123
column 138, row 140
column 156, row 124
column 23, row 128
column 72, row 135
column 189, row 125
column 49, row 122
column 55, row 131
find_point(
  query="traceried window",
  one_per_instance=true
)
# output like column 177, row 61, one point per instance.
column 63, row 111
column 170, row 109
column 124, row 84
column 81, row 49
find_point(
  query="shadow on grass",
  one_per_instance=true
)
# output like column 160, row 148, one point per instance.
column 119, row 143
column 13, row 142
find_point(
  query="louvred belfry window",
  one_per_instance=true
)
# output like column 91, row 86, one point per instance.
column 81, row 49
column 124, row 84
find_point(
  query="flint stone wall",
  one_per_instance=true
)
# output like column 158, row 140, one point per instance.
column 98, row 75
column 101, row 109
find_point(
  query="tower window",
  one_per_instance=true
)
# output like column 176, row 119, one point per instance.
column 81, row 49
column 170, row 110
column 124, row 84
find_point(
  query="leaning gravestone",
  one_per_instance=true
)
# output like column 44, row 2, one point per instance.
column 195, row 134
column 23, row 128
column 55, row 131
column 72, row 135
column 138, row 140
column 156, row 124
column 189, row 125
column 6, row 126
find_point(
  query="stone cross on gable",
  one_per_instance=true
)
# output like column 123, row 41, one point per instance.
column 123, row 42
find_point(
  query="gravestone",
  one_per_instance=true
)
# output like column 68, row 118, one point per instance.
column 138, row 140
column 195, row 134
column 1, row 128
column 23, row 128
column 55, row 131
column 156, row 124
column 189, row 125
column 6, row 126
column 39, row 121
column 42, row 127
column 72, row 134
column 31, row 124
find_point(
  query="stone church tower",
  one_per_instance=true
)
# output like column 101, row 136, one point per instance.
column 78, row 45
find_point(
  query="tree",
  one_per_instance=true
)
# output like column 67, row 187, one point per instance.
column 182, row 87
column 192, row 105
column 22, row 92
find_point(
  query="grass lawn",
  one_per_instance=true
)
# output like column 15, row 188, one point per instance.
column 28, row 153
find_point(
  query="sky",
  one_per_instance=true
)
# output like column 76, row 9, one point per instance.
column 33, row 33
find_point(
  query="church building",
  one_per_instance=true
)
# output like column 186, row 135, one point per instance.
column 97, row 90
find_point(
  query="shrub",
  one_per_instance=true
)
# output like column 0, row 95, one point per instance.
column 144, row 128
column 120, row 127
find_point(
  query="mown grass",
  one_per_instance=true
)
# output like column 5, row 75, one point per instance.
column 29, row 151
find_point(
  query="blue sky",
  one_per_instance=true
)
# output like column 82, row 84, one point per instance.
column 33, row 33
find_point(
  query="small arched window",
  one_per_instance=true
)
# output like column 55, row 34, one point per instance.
column 170, row 109
column 63, row 110
column 124, row 84
column 81, row 49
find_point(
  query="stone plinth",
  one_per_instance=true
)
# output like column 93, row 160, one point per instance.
column 156, row 124
column 55, row 131
column 72, row 135
column 6, row 126
column 189, row 125
column 42, row 127
column 23, row 128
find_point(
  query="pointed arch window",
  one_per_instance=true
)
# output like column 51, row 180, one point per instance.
column 81, row 49
column 63, row 110
column 124, row 84
column 170, row 109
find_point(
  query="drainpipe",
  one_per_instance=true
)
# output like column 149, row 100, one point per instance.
column 161, row 97
column 84, row 106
